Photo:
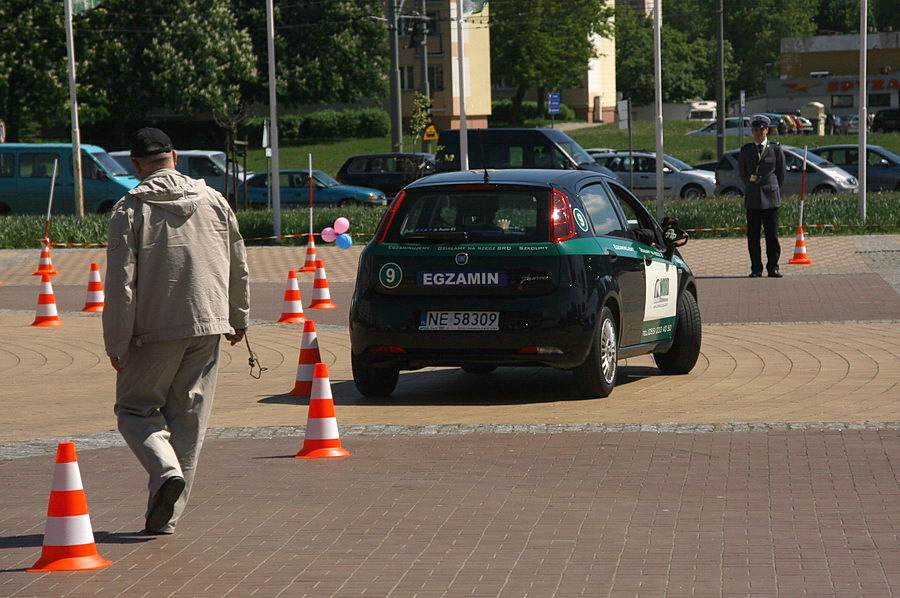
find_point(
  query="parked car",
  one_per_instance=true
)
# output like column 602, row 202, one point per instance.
column 882, row 165
column 387, row 172
column 596, row 152
column 480, row 269
column 886, row 121
column 515, row 148
column 710, row 166
column 732, row 127
column 679, row 178
column 293, row 190
column 199, row 164
column 26, row 173
column 821, row 175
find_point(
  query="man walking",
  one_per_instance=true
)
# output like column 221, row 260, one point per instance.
column 762, row 167
column 176, row 280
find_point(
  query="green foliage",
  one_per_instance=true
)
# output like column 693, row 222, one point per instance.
column 182, row 55
column 326, row 52
column 324, row 125
column 883, row 216
column 544, row 44
column 33, row 80
column 502, row 112
column 840, row 212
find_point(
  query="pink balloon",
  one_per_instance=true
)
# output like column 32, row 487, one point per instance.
column 341, row 225
column 328, row 235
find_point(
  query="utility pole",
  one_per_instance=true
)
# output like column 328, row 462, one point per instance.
column 423, row 63
column 720, row 81
column 73, row 101
column 275, row 175
column 396, row 120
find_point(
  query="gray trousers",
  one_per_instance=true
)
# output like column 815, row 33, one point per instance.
column 164, row 397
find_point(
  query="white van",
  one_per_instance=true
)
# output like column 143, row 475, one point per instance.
column 198, row 164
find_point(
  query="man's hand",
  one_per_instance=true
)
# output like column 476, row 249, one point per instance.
column 117, row 365
column 237, row 337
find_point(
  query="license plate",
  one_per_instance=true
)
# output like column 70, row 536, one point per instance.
column 459, row 320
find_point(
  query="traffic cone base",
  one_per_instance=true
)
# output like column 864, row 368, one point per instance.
column 95, row 299
column 46, row 314
column 322, row 438
column 292, row 310
column 800, row 256
column 321, row 294
column 310, row 264
column 68, row 538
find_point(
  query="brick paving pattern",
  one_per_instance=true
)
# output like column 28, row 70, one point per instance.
column 770, row 470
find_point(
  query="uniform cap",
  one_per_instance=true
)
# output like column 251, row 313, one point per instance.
column 760, row 121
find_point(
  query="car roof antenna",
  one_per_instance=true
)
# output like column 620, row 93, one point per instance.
column 487, row 178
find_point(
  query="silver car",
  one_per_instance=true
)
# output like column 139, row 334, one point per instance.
column 679, row 178
column 732, row 127
column 821, row 175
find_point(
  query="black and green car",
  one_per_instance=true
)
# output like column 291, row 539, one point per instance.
column 482, row 269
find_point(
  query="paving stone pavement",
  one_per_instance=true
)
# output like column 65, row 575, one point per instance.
column 770, row 470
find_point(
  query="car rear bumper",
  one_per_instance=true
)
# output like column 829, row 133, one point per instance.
column 553, row 330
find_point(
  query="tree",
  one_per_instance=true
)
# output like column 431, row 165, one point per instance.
column 182, row 56
column 326, row 52
column 33, row 80
column 544, row 44
column 688, row 66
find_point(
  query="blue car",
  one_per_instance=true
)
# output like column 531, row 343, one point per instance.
column 294, row 191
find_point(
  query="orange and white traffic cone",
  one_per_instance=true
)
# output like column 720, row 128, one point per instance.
column 95, row 299
column 45, row 264
column 800, row 256
column 322, row 438
column 68, row 536
column 310, row 264
column 321, row 298
column 309, row 357
column 292, row 310
column 46, row 314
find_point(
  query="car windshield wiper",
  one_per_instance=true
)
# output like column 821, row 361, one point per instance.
column 435, row 236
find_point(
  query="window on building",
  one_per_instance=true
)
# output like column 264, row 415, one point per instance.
column 407, row 78
column 842, row 101
column 436, row 77
column 880, row 100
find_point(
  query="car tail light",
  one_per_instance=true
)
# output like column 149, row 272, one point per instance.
column 386, row 349
column 388, row 218
column 540, row 351
column 562, row 222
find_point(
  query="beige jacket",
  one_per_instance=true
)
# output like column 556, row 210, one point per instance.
column 176, row 264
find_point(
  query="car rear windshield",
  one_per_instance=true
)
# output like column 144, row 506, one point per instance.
column 471, row 216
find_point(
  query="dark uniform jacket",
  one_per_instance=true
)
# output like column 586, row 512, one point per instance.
column 765, row 192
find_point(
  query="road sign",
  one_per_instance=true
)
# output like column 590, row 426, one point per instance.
column 430, row 134
column 553, row 102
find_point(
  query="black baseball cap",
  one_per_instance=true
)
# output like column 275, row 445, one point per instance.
column 149, row 142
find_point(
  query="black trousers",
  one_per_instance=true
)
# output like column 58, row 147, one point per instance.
column 768, row 219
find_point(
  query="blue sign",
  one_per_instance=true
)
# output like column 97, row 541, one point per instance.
column 553, row 102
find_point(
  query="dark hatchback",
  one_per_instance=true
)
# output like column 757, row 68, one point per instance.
column 387, row 172
column 521, row 268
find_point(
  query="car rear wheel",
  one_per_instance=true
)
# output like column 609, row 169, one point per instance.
column 682, row 357
column 478, row 368
column 732, row 192
column 373, row 381
column 693, row 192
column 596, row 377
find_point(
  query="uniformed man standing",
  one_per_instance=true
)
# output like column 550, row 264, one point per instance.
column 762, row 167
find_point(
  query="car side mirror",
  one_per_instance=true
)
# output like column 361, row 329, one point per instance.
column 666, row 170
column 884, row 163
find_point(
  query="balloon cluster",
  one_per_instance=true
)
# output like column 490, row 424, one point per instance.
column 337, row 233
